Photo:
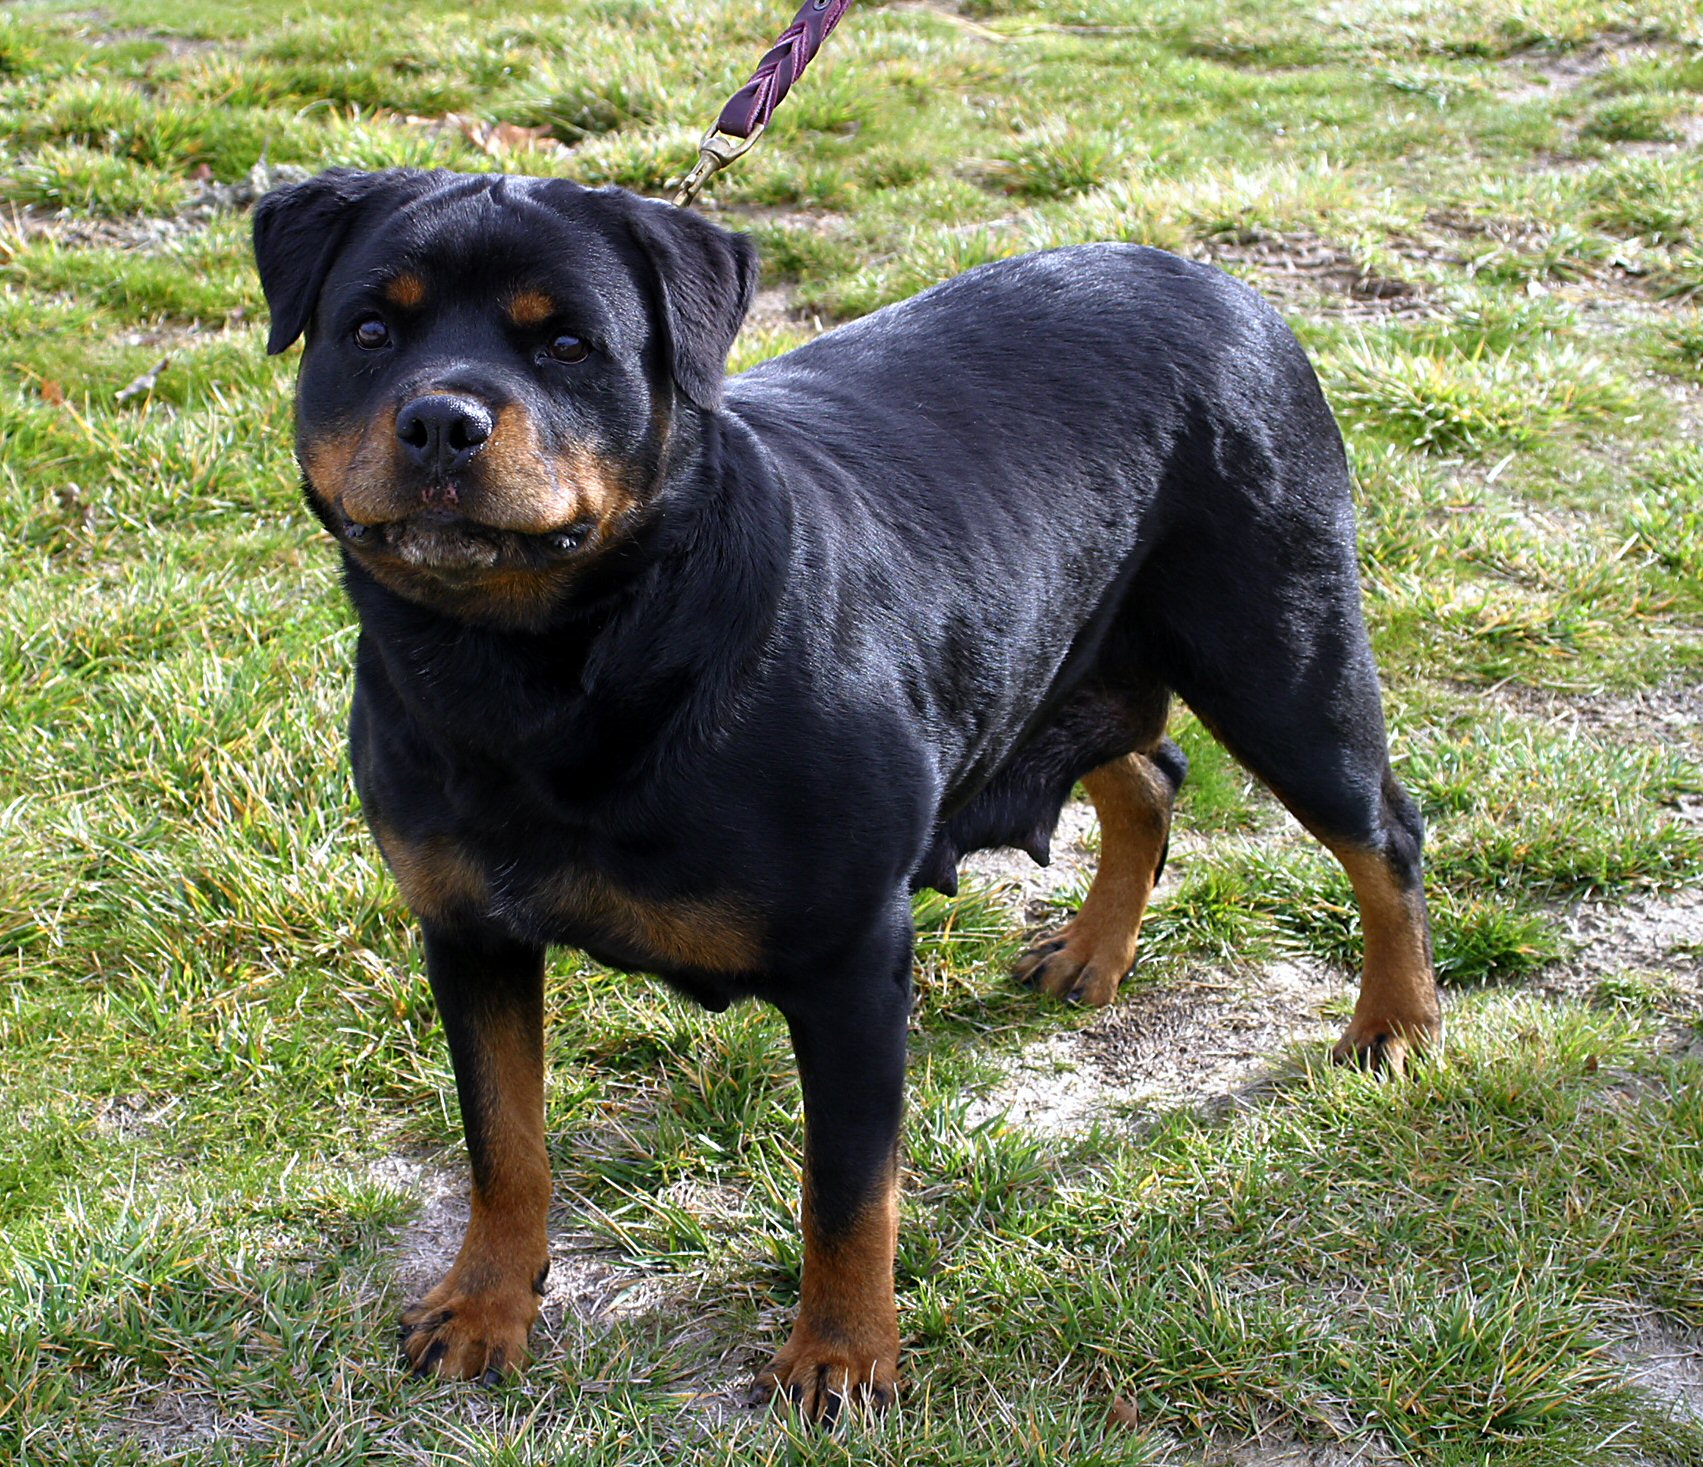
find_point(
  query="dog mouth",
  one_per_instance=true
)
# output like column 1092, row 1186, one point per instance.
column 444, row 543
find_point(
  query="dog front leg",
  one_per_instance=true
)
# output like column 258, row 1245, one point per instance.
column 490, row 994
column 849, row 1038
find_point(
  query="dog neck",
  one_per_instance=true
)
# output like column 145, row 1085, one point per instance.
column 652, row 649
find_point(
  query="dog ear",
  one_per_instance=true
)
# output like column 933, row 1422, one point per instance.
column 298, row 232
column 707, row 276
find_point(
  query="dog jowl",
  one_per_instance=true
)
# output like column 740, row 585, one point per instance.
column 706, row 677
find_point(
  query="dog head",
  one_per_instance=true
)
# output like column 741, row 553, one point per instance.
column 494, row 371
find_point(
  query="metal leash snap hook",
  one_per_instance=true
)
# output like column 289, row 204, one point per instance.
column 716, row 149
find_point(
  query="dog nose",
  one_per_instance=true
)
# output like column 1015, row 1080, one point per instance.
column 441, row 431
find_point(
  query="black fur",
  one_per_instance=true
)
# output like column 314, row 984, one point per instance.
column 878, row 602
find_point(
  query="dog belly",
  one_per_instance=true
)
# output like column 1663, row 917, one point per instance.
column 1019, row 806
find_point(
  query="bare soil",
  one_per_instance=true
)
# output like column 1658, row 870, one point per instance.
column 1296, row 268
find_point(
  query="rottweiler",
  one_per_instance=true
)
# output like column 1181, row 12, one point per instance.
column 707, row 676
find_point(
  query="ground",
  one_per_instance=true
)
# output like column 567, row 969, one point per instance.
column 1166, row 1232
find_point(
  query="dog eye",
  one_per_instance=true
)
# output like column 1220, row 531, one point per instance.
column 567, row 349
column 371, row 333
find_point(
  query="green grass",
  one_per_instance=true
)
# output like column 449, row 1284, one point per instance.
column 223, row 1065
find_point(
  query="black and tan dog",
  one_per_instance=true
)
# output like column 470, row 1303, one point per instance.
column 706, row 677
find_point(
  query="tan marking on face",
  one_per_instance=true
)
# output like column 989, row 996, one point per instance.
column 530, row 308
column 407, row 291
column 846, row 1337
column 1133, row 801
column 354, row 470
column 326, row 461
column 523, row 489
column 511, row 485
column 517, row 488
column 435, row 876
column 1398, row 990
column 707, row 934
column 602, row 488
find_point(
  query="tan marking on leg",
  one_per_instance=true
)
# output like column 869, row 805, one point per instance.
column 476, row 1321
column 435, row 876
column 1085, row 960
column 407, row 291
column 1398, row 1011
column 844, row 1345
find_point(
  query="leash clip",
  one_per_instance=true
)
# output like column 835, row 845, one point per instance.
column 716, row 149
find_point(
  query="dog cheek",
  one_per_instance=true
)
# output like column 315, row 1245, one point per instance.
column 518, row 490
column 326, row 460
column 603, row 486
column 353, row 470
column 534, row 490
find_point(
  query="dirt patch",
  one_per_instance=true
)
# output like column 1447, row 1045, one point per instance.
column 1658, row 936
column 1669, row 714
column 78, row 232
column 1608, row 287
column 1211, row 1038
column 1214, row 1038
column 172, row 1424
column 1298, row 267
column 957, row 15
column 1279, row 1453
column 1543, row 71
column 133, row 1117
column 1685, row 134
column 775, row 307
column 591, row 1289
column 778, row 216
column 1666, row 1363
column 210, row 199
column 1212, row 1041
column 1029, row 890
column 175, row 47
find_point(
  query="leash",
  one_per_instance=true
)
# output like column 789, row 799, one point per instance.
column 741, row 122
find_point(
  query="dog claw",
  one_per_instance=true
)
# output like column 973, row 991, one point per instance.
column 1384, row 1053
column 824, row 1391
column 1032, row 966
column 426, row 1322
column 428, row 1362
column 831, row 1402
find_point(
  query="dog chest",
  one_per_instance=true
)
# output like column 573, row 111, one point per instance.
column 569, row 903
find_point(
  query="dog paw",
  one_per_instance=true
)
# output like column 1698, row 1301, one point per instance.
column 1069, row 965
column 1388, row 1046
column 468, row 1336
column 820, row 1381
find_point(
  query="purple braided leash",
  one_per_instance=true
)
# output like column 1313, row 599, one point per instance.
column 754, row 103
column 747, row 113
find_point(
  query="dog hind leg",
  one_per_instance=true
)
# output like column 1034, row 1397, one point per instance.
column 1283, row 676
column 1085, row 960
